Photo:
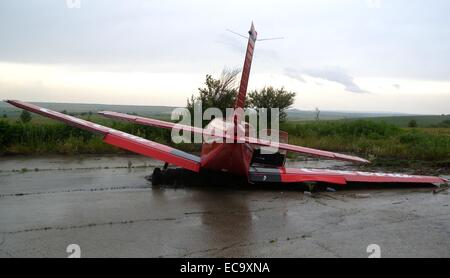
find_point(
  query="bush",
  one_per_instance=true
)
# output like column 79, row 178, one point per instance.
column 412, row 123
column 25, row 117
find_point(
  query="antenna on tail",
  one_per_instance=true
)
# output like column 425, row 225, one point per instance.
column 246, row 37
column 252, row 38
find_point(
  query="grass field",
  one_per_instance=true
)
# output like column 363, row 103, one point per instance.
column 377, row 141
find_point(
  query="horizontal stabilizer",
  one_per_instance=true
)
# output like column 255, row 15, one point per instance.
column 231, row 138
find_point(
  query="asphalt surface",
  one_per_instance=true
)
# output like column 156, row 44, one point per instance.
column 111, row 210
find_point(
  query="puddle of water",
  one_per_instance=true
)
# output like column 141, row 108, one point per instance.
column 59, row 162
column 75, row 162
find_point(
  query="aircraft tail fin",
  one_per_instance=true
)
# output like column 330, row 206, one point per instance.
column 240, row 98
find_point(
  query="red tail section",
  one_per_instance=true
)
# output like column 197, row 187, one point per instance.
column 240, row 99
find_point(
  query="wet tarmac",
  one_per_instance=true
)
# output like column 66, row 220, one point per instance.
column 109, row 209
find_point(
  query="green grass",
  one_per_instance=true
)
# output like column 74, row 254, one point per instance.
column 50, row 137
column 372, row 139
column 375, row 140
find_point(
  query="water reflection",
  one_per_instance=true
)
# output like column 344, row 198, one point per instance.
column 223, row 216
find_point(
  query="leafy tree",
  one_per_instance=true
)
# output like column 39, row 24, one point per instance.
column 317, row 113
column 5, row 116
column 270, row 97
column 219, row 93
column 4, row 132
column 25, row 117
column 412, row 123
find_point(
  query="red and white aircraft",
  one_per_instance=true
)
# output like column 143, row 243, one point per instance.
column 241, row 156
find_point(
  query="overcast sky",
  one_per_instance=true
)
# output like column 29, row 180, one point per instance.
column 355, row 55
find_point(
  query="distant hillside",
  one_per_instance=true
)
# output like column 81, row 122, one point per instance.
column 422, row 120
column 293, row 114
column 305, row 115
column 79, row 108
column 165, row 111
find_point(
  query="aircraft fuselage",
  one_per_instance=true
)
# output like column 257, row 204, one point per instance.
column 235, row 157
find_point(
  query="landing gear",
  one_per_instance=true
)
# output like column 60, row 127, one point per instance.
column 157, row 176
column 311, row 186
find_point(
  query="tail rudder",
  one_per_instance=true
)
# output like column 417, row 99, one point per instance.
column 240, row 99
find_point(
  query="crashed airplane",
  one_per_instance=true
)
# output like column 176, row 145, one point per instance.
column 240, row 155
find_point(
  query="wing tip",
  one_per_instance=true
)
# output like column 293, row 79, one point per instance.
column 362, row 160
column 352, row 158
column 13, row 102
column 105, row 113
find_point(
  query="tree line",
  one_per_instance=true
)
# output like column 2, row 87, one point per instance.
column 221, row 93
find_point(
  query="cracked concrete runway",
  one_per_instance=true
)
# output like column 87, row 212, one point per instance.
column 112, row 211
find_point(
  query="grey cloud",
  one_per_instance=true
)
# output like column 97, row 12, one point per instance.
column 163, row 35
column 334, row 74
column 234, row 44
column 295, row 74
column 238, row 45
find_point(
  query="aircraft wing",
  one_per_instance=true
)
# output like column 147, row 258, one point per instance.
column 120, row 139
column 293, row 175
column 251, row 140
